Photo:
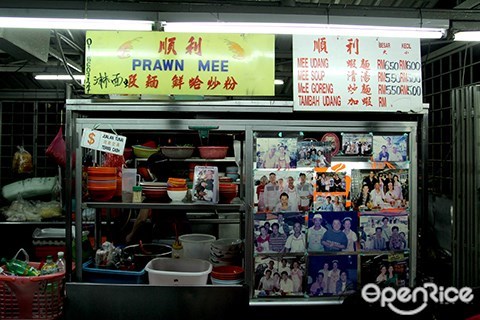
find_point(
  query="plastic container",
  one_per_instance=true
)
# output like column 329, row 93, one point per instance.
column 178, row 272
column 213, row 152
column 197, row 245
column 99, row 275
column 150, row 251
column 130, row 178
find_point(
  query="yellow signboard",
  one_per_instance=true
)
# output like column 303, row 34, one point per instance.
column 179, row 63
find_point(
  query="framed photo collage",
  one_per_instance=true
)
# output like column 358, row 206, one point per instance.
column 331, row 213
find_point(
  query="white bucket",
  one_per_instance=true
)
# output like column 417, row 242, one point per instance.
column 196, row 245
column 178, row 272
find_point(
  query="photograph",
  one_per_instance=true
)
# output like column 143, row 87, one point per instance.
column 205, row 184
column 330, row 231
column 385, row 270
column 313, row 153
column 390, row 148
column 357, row 144
column 334, row 141
column 281, row 232
column 385, row 189
column 283, row 191
column 384, row 232
column 332, row 191
column 279, row 276
column 276, row 153
column 330, row 275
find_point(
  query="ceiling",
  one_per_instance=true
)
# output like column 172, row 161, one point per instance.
column 48, row 51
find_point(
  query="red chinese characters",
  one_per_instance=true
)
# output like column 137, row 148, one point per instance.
column 151, row 82
column 194, row 46
column 167, row 46
column 353, row 46
column 320, row 45
column 177, row 82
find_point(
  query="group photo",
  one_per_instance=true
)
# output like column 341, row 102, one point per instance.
column 384, row 232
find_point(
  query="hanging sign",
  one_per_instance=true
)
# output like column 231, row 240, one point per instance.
column 179, row 63
column 356, row 74
column 103, row 141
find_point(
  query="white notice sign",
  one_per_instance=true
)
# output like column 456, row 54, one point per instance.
column 356, row 74
column 103, row 141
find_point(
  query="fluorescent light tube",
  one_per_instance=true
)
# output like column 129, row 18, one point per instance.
column 467, row 36
column 76, row 24
column 278, row 82
column 80, row 77
column 304, row 28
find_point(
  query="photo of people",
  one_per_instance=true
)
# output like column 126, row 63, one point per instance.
column 387, row 232
column 332, row 190
column 357, row 144
column 332, row 275
column 283, row 191
column 332, row 232
column 375, row 190
column 279, row 276
column 390, row 148
column 205, row 186
column 312, row 153
column 276, row 153
column 281, row 232
column 385, row 270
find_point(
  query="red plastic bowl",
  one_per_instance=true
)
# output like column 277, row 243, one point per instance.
column 213, row 152
column 227, row 272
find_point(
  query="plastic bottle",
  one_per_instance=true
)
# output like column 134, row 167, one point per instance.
column 20, row 268
column 61, row 261
column 137, row 194
column 177, row 249
column 49, row 267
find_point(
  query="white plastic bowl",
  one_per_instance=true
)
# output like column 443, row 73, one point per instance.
column 196, row 245
column 178, row 272
column 176, row 196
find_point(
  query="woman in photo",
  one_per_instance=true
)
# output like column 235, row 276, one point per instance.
column 337, row 204
column 260, row 193
column 382, row 277
column 283, row 158
column 263, row 240
column 337, row 183
column 333, row 277
column 392, row 278
column 297, row 277
column 351, row 235
column 363, row 199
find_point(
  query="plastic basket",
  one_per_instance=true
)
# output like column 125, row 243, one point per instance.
column 98, row 275
column 39, row 297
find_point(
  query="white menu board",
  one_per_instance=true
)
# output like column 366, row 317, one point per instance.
column 356, row 74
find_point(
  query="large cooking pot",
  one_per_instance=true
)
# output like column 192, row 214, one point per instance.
column 142, row 254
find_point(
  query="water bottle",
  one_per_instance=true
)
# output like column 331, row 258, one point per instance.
column 61, row 261
column 20, row 268
column 49, row 267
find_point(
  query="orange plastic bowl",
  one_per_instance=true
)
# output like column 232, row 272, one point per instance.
column 213, row 152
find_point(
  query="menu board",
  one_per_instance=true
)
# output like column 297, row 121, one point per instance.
column 333, row 73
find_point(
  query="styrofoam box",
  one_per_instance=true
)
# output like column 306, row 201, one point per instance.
column 178, row 272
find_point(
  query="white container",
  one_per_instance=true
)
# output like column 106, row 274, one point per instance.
column 197, row 245
column 178, row 272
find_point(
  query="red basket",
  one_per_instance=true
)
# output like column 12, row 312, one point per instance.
column 39, row 297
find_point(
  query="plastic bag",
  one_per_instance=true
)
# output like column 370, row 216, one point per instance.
column 114, row 160
column 57, row 150
column 22, row 161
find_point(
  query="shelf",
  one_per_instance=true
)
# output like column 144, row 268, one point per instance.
column 227, row 159
column 61, row 223
column 172, row 206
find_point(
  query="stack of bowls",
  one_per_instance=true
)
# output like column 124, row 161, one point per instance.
column 176, row 189
column 155, row 191
column 226, row 252
column 227, row 192
column 227, row 275
column 102, row 183
column 232, row 172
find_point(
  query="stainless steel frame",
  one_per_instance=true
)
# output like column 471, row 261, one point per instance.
column 122, row 120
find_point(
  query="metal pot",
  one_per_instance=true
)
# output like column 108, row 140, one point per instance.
column 141, row 255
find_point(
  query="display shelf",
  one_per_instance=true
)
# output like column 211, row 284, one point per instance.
column 166, row 206
column 227, row 159
column 60, row 223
